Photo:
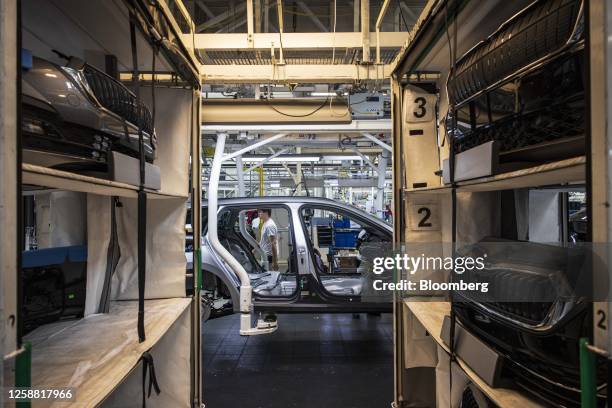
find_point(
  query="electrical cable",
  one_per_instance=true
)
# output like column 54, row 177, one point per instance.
column 451, row 160
column 297, row 116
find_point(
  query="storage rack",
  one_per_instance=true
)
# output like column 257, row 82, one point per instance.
column 426, row 51
column 102, row 356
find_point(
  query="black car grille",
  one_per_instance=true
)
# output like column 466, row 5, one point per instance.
column 540, row 30
column 568, row 396
column 118, row 99
column 545, row 105
column 527, row 298
column 552, row 122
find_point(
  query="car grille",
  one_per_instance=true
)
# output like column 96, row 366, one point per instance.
column 538, row 31
column 115, row 97
column 568, row 396
column 553, row 122
column 527, row 298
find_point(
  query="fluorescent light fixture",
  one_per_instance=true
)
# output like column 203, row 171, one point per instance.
column 331, row 183
column 282, row 159
column 340, row 157
column 322, row 94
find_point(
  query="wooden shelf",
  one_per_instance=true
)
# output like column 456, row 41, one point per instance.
column 431, row 316
column 65, row 180
column 60, row 357
column 556, row 173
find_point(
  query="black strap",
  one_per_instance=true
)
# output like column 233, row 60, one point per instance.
column 112, row 258
column 142, row 196
column 148, row 366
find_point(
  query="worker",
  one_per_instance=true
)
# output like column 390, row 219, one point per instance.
column 268, row 237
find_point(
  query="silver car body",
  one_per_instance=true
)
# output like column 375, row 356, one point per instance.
column 269, row 285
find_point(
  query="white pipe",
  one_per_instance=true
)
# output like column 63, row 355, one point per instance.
column 266, row 160
column 378, row 142
column 379, row 20
column 213, row 238
column 253, row 146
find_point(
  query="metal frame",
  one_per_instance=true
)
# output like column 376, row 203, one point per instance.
column 8, row 186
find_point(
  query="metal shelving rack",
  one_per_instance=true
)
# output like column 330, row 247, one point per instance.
column 104, row 356
column 590, row 169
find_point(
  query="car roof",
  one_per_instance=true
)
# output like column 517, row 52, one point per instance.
column 263, row 201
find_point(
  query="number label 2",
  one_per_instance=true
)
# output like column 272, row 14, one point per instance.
column 425, row 217
column 600, row 325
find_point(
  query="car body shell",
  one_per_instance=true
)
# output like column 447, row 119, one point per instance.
column 212, row 263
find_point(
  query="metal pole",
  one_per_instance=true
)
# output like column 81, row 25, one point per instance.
column 365, row 30
column 379, row 20
column 279, row 10
column 249, row 22
column 240, row 176
column 588, row 384
column 380, row 194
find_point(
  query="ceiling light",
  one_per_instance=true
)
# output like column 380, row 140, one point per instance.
column 322, row 94
column 340, row 157
column 283, row 159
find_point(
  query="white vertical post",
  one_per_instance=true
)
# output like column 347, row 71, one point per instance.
column 240, row 176
column 380, row 186
column 298, row 174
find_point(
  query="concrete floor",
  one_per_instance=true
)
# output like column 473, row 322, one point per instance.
column 326, row 360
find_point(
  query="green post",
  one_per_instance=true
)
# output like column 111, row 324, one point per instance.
column 23, row 372
column 588, row 391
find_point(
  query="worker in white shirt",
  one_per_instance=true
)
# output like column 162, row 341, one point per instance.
column 268, row 237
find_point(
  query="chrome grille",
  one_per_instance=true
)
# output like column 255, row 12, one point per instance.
column 115, row 97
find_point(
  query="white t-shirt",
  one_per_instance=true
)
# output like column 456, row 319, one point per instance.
column 268, row 230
